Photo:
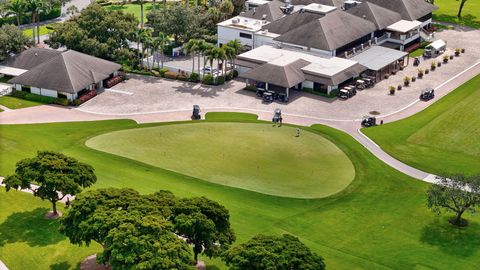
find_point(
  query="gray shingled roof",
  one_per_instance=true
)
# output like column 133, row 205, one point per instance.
column 31, row 58
column 378, row 57
column 330, row 32
column 285, row 76
column 294, row 20
column 380, row 16
column 409, row 9
column 271, row 10
column 68, row 72
column 334, row 3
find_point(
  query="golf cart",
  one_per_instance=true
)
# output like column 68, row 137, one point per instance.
column 267, row 97
column 369, row 121
column 427, row 94
column 343, row 94
column 369, row 81
column 435, row 48
column 283, row 97
column 416, row 62
column 360, row 84
column 277, row 116
column 351, row 88
column 196, row 113
column 260, row 93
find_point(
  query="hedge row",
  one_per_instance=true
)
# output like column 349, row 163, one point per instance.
column 39, row 98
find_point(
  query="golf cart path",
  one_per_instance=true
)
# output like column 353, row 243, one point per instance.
column 51, row 113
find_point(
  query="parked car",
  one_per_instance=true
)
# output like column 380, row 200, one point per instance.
column 427, row 94
column 369, row 121
column 196, row 113
column 343, row 94
column 209, row 70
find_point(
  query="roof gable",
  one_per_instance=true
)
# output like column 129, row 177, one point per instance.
column 330, row 32
column 291, row 22
column 271, row 10
column 408, row 9
column 380, row 16
column 31, row 58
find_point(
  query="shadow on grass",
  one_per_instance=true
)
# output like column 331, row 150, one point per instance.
column 31, row 228
column 462, row 242
column 466, row 20
column 60, row 266
column 212, row 267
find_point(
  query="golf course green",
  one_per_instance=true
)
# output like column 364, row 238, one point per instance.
column 442, row 139
column 379, row 221
column 256, row 157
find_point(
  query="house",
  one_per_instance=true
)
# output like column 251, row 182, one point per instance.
column 68, row 74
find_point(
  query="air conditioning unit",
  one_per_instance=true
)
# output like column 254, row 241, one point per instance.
column 235, row 20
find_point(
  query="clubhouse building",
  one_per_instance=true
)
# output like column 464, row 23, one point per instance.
column 323, row 44
column 68, row 74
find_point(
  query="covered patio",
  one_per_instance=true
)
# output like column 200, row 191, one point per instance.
column 381, row 61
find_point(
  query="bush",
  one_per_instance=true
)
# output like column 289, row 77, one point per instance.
column 433, row 65
column 445, row 58
column 194, row 77
column 427, row 71
column 162, row 71
column 414, row 79
column 33, row 97
column 156, row 73
column 207, row 79
column 399, row 87
column 420, row 73
column 462, row 50
column 220, row 80
column 457, row 52
column 391, row 89
column 182, row 78
column 251, row 87
column 61, row 101
column 18, row 94
column 171, row 75
column 77, row 102
column 406, row 81
column 229, row 76
column 235, row 73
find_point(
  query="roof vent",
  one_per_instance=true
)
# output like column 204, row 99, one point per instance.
column 235, row 20
column 287, row 8
column 264, row 17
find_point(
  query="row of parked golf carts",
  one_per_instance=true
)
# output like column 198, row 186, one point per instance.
column 269, row 96
column 350, row 90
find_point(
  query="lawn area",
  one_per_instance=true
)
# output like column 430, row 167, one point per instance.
column 28, row 241
column 250, row 156
column 135, row 9
column 441, row 139
column 379, row 221
column 418, row 52
column 43, row 31
column 448, row 10
column 17, row 103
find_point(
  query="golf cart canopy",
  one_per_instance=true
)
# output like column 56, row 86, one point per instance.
column 437, row 45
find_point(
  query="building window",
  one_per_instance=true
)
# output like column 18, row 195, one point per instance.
column 26, row 88
column 245, row 35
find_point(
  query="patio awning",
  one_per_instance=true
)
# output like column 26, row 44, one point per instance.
column 286, row 76
column 10, row 71
column 378, row 57
column 404, row 26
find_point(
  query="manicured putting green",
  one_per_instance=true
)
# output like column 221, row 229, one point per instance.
column 256, row 157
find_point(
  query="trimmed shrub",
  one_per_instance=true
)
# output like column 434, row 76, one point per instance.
column 235, row 73
column 61, row 101
column 207, row 79
column 77, row 102
column 439, row 64
column 251, row 87
column 18, row 94
column 433, row 65
column 406, row 81
column 457, row 52
column 391, row 90
column 427, row 70
column 420, row 73
column 194, row 77
column 399, row 87
column 462, row 50
column 220, row 80
column 162, row 71
column 414, row 78
column 171, row 75
column 445, row 58
column 182, row 78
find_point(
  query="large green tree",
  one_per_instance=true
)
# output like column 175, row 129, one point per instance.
column 457, row 194
column 96, row 31
column 273, row 253
column 12, row 40
column 174, row 20
column 55, row 174
column 132, row 228
column 205, row 224
column 16, row 8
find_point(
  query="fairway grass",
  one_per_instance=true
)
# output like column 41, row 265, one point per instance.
column 380, row 221
column 442, row 139
column 256, row 157
column 448, row 9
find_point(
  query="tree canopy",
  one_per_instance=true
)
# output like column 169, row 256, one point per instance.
column 96, row 31
column 12, row 40
column 204, row 224
column 273, row 253
column 456, row 194
column 56, row 175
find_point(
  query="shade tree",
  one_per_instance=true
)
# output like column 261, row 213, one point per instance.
column 56, row 175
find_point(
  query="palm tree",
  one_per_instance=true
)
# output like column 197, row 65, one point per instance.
column 237, row 47
column 33, row 7
column 160, row 42
column 45, row 7
column 221, row 59
column 141, row 14
column 201, row 46
column 191, row 47
column 206, row 53
column 145, row 35
column 229, row 54
column 212, row 55
column 17, row 8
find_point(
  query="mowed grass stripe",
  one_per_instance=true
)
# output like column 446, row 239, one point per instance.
column 256, row 157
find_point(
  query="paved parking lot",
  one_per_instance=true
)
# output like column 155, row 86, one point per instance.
column 142, row 94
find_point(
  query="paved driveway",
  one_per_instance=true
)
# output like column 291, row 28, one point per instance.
column 143, row 94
